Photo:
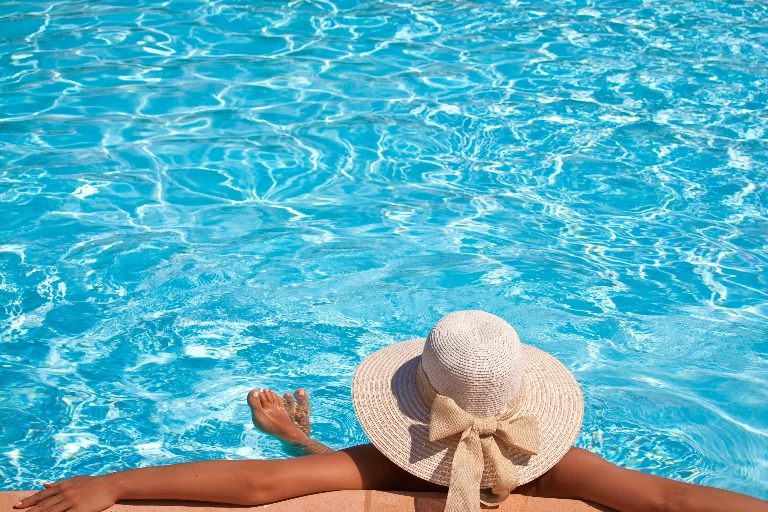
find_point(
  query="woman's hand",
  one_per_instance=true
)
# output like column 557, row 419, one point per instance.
column 77, row 494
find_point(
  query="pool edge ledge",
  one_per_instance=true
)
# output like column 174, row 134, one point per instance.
column 342, row 501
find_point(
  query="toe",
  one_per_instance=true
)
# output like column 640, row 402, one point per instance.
column 275, row 400
column 289, row 404
column 253, row 398
column 302, row 410
column 264, row 398
column 302, row 400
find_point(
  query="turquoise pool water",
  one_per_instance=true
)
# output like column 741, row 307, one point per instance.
column 199, row 198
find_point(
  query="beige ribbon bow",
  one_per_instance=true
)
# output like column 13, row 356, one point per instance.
column 479, row 444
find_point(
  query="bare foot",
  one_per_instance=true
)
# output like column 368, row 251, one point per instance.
column 298, row 410
column 270, row 416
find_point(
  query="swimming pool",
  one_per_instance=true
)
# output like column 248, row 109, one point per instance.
column 199, row 198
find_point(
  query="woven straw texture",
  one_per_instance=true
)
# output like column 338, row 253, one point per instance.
column 395, row 417
column 475, row 358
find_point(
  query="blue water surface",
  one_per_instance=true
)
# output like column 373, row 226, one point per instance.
column 203, row 197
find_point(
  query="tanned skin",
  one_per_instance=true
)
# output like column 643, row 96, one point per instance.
column 580, row 475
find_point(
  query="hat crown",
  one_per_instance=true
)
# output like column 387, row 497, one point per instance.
column 474, row 358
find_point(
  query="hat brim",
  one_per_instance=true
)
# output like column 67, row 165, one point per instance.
column 395, row 418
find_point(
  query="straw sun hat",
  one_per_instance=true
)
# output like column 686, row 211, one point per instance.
column 470, row 408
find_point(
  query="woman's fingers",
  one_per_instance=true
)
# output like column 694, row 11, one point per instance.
column 61, row 506
column 37, row 497
column 47, row 503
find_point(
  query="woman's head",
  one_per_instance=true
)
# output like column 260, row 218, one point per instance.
column 469, row 396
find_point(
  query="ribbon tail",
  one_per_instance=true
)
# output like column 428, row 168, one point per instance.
column 466, row 474
column 507, row 476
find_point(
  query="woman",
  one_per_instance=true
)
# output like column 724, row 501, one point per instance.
column 470, row 410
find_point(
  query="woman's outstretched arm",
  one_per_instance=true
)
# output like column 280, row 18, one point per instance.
column 251, row 482
column 583, row 475
column 246, row 482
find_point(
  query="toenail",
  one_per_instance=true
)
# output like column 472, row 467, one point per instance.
column 256, row 393
column 300, row 392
